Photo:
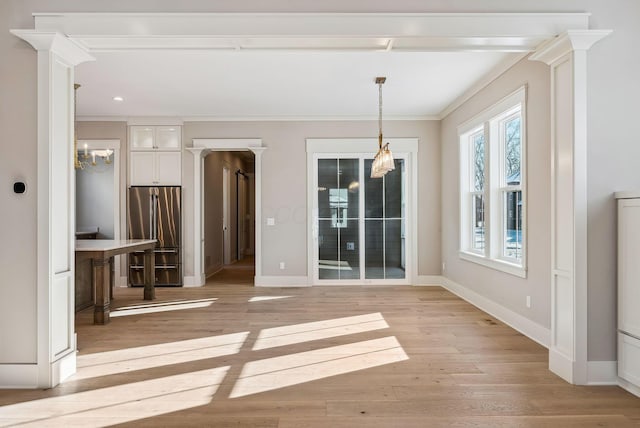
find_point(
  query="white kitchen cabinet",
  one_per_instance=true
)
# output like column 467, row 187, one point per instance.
column 155, row 155
column 158, row 168
column 155, row 138
column 629, row 290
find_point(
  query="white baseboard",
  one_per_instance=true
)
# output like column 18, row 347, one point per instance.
column 602, row 373
column 635, row 390
column 524, row 325
column 18, row 376
column 194, row 281
column 561, row 365
column 428, row 281
column 281, row 281
column 63, row 368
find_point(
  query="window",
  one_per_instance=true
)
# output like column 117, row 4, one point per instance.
column 492, row 195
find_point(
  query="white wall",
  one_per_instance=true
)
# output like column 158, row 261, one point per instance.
column 284, row 186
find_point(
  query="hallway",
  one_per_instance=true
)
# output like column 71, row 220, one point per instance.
column 240, row 273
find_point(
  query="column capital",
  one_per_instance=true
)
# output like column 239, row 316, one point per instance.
column 257, row 150
column 198, row 152
column 57, row 43
column 572, row 40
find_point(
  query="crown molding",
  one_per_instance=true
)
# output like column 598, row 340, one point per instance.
column 177, row 120
column 481, row 84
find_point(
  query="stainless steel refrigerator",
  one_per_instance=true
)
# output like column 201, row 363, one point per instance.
column 154, row 213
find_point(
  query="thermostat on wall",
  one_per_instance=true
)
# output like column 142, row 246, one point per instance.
column 19, row 187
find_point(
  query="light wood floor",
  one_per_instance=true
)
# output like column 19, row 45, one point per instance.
column 231, row 355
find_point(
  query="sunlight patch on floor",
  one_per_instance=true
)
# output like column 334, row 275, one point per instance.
column 161, row 307
column 305, row 332
column 163, row 354
column 279, row 372
column 265, row 298
column 119, row 404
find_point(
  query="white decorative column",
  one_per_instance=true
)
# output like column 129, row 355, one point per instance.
column 55, row 257
column 198, row 279
column 567, row 57
column 257, row 151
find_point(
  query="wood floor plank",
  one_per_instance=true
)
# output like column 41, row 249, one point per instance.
column 304, row 357
column 460, row 422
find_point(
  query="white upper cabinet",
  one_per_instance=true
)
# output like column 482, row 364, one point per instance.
column 155, row 155
column 155, row 137
column 155, row 168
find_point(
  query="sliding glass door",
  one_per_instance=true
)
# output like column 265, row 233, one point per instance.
column 384, row 220
column 338, row 219
column 360, row 222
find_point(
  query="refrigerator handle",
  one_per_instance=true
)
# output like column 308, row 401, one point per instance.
column 151, row 217
column 155, row 216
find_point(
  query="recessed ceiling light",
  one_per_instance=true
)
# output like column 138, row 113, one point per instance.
column 117, row 98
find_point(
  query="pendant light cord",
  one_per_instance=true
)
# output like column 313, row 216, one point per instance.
column 380, row 115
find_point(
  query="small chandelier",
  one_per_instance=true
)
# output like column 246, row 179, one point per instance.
column 383, row 161
column 82, row 163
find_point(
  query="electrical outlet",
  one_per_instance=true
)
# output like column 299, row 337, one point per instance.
column 271, row 221
column 351, row 246
column 528, row 301
column 444, row 266
column 281, row 265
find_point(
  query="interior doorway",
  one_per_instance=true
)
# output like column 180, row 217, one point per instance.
column 226, row 203
column 97, row 206
column 229, row 213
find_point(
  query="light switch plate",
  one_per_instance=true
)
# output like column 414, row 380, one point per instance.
column 271, row 221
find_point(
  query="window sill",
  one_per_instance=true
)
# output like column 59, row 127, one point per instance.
column 496, row 264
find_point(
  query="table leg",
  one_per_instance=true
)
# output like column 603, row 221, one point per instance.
column 112, row 272
column 149, row 275
column 102, row 286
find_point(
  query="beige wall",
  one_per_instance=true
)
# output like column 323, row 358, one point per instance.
column 284, row 184
column 505, row 289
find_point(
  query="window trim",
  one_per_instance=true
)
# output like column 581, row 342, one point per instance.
column 495, row 188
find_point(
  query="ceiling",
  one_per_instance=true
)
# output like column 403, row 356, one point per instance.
column 271, row 66
column 277, row 84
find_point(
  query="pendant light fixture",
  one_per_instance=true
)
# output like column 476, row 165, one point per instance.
column 383, row 161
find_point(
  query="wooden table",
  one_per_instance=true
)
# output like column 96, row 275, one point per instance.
column 101, row 251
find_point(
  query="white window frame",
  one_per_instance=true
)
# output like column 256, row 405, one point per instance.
column 472, row 193
column 495, row 187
